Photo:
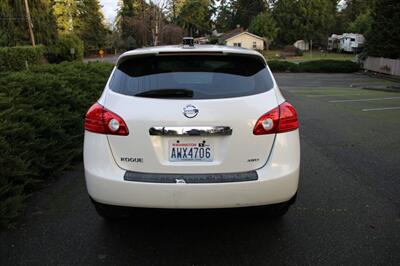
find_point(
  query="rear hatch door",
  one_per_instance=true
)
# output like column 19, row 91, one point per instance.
column 191, row 114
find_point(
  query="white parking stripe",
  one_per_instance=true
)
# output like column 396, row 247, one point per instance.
column 381, row 109
column 364, row 100
column 333, row 95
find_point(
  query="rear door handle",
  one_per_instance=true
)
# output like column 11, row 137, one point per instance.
column 190, row 131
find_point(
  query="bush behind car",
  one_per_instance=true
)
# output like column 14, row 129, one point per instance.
column 316, row 66
column 18, row 57
column 41, row 120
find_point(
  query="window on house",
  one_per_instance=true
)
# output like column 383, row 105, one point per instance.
column 254, row 45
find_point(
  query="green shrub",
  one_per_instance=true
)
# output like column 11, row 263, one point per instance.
column 41, row 125
column 317, row 66
column 329, row 66
column 16, row 58
column 282, row 66
column 61, row 50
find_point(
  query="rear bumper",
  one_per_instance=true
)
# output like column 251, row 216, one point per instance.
column 277, row 181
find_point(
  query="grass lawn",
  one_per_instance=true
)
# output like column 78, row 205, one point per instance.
column 316, row 55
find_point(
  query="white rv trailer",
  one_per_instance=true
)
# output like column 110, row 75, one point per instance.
column 347, row 42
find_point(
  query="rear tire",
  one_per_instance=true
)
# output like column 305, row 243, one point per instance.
column 110, row 213
column 280, row 209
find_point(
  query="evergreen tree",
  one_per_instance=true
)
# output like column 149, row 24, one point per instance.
column 356, row 15
column 265, row 26
column 303, row 19
column 245, row 11
column 174, row 8
column 195, row 16
column 14, row 27
column 384, row 37
column 89, row 25
column 129, row 10
column 134, row 23
column 287, row 17
column 354, row 8
column 224, row 20
column 362, row 24
column 316, row 19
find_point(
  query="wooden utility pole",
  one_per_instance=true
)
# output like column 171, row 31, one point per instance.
column 174, row 10
column 156, row 27
column 28, row 16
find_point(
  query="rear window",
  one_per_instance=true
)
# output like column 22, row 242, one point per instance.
column 206, row 76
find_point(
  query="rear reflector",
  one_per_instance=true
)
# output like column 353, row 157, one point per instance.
column 281, row 119
column 100, row 120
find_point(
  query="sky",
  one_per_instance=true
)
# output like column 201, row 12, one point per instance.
column 109, row 9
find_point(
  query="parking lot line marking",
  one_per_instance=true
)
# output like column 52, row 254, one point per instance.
column 381, row 109
column 333, row 95
column 364, row 100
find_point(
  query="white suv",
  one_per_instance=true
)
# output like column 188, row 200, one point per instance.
column 191, row 127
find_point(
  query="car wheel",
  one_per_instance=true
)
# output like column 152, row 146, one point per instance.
column 109, row 212
column 278, row 210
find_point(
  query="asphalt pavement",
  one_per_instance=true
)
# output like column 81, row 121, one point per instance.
column 106, row 59
column 347, row 211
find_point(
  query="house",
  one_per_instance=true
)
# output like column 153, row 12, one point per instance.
column 347, row 42
column 240, row 38
column 222, row 38
column 302, row 45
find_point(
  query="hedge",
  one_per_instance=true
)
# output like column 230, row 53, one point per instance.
column 15, row 58
column 329, row 66
column 317, row 66
column 61, row 50
column 282, row 66
column 41, row 118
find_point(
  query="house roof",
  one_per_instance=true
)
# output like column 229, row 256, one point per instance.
column 248, row 33
column 231, row 34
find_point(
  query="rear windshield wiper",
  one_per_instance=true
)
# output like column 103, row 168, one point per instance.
column 166, row 93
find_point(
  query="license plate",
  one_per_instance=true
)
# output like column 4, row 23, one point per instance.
column 190, row 151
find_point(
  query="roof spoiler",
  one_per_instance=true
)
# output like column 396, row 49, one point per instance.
column 189, row 52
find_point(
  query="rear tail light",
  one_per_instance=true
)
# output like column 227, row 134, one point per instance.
column 281, row 119
column 100, row 120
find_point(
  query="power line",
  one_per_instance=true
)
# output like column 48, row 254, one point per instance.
column 12, row 18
